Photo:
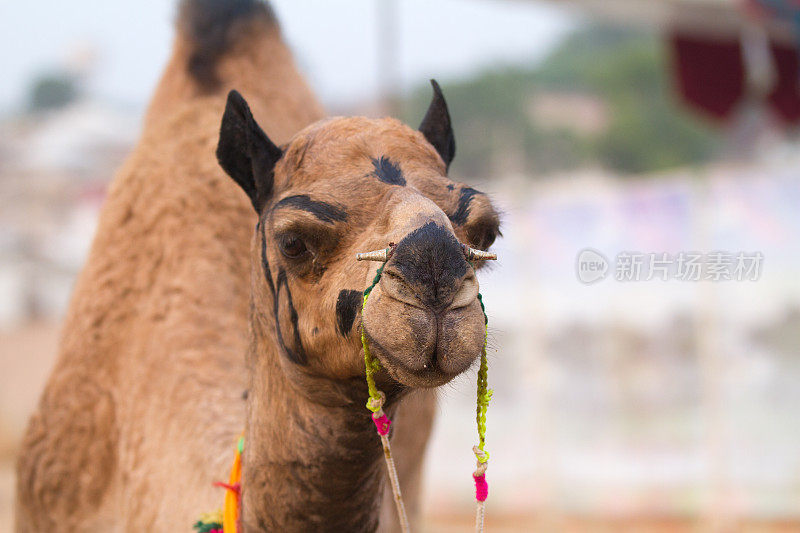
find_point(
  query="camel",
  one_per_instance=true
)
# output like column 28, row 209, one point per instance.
column 212, row 304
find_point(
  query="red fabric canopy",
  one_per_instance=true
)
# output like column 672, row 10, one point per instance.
column 710, row 76
column 710, row 73
column 785, row 96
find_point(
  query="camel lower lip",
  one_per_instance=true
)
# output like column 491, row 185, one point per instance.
column 430, row 375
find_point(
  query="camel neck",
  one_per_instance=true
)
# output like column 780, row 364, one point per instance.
column 307, row 466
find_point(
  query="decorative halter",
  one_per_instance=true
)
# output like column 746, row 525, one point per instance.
column 377, row 397
column 227, row 520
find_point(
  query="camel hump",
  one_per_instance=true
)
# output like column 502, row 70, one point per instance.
column 213, row 28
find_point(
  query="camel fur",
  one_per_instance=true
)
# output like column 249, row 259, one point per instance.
column 192, row 321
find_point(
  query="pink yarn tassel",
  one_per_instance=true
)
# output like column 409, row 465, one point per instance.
column 481, row 487
column 382, row 423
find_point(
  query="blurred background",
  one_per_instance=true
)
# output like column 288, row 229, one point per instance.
column 627, row 127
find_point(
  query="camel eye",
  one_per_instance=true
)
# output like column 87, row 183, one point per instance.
column 292, row 247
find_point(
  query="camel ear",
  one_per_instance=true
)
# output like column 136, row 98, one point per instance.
column 436, row 126
column 245, row 152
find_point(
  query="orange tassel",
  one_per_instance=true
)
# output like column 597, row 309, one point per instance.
column 233, row 493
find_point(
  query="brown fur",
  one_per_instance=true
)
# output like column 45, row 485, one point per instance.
column 145, row 401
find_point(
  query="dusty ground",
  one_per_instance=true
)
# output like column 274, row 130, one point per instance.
column 529, row 523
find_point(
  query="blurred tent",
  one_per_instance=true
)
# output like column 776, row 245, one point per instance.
column 725, row 52
column 779, row 18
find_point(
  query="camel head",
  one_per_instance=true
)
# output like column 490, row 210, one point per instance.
column 347, row 185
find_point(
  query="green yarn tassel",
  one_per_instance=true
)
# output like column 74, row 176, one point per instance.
column 484, row 393
column 372, row 365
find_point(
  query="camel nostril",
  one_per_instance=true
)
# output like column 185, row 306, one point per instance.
column 391, row 274
column 466, row 293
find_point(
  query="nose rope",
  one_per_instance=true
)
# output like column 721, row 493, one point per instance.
column 375, row 404
column 371, row 363
column 382, row 423
column 482, row 456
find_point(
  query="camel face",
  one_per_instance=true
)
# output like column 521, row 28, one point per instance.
column 348, row 185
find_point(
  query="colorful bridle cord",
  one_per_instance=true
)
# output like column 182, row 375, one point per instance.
column 375, row 404
column 382, row 422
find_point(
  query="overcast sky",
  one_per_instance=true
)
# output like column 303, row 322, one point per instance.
column 334, row 41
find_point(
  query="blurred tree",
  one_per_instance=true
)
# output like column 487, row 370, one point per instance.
column 601, row 98
column 52, row 90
